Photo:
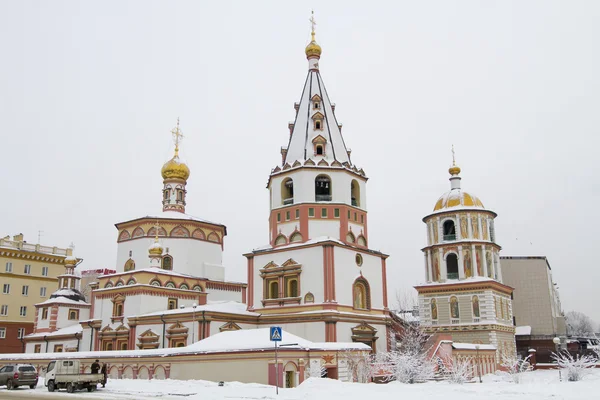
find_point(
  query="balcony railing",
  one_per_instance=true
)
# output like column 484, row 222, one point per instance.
column 288, row 201
column 323, row 197
column 354, row 202
column 450, row 237
column 452, row 275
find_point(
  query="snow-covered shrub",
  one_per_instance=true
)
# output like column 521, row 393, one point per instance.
column 574, row 368
column 317, row 370
column 411, row 362
column 514, row 366
column 459, row 371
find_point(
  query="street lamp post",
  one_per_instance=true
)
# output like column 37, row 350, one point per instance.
column 478, row 364
column 194, row 322
column 556, row 341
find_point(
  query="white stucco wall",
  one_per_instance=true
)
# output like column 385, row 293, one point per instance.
column 189, row 255
column 346, row 272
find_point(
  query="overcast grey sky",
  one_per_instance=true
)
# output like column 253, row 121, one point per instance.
column 90, row 90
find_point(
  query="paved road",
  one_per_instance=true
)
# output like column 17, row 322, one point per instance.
column 24, row 394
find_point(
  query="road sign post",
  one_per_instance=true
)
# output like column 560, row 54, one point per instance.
column 275, row 336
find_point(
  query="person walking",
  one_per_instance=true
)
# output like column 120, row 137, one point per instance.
column 96, row 367
column 104, row 372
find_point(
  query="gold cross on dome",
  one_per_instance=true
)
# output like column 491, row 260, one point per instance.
column 156, row 227
column 453, row 159
column 313, row 23
column 177, row 136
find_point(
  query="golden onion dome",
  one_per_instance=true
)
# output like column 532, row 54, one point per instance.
column 175, row 169
column 313, row 49
column 155, row 249
column 457, row 198
column 454, row 170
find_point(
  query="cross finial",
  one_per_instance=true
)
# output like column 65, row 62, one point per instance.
column 313, row 23
column 453, row 157
column 156, row 228
column 177, row 136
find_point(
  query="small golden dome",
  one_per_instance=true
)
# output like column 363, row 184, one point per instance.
column 313, row 49
column 454, row 170
column 175, row 169
column 155, row 249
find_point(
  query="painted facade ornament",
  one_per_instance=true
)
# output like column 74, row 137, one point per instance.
column 434, row 310
column 436, row 267
column 464, row 231
column 475, row 306
column 468, row 263
column 435, row 232
column 475, row 226
column 454, row 311
column 485, row 230
column 488, row 260
column 478, row 260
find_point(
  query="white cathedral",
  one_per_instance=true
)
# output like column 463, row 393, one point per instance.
column 317, row 278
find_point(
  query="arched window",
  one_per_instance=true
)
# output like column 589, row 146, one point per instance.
column 475, row 302
column 273, row 290
column 452, row 266
column 449, row 230
column 296, row 237
column 167, row 263
column 119, row 310
column 287, row 191
column 322, row 188
column 166, row 194
column 197, row 288
column 280, row 240
column 454, row 310
column 184, row 286
column 155, row 283
column 170, row 285
column 355, row 193
column 434, row 310
column 361, row 294
column 317, row 124
column 179, row 195
column 319, row 150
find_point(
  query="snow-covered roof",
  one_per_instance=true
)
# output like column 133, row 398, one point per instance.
column 473, row 346
column 69, row 330
column 523, row 330
column 300, row 145
column 173, row 215
column 63, row 300
column 230, row 307
column 154, row 270
column 231, row 341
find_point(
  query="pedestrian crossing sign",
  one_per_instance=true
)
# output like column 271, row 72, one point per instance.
column 275, row 334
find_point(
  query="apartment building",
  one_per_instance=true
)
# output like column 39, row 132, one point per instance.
column 28, row 275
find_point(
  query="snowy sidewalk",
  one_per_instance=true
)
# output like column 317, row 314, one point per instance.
column 536, row 385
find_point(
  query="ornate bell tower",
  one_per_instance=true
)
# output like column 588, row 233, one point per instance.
column 463, row 293
column 175, row 175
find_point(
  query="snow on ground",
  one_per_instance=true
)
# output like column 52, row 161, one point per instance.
column 536, row 385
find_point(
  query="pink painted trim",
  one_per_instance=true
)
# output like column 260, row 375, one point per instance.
column 384, row 282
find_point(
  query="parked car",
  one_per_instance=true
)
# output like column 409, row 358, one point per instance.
column 65, row 374
column 15, row 375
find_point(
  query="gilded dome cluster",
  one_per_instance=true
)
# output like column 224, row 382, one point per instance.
column 155, row 249
column 175, row 169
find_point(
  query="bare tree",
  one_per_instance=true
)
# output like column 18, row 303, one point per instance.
column 579, row 324
column 412, row 362
column 406, row 300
